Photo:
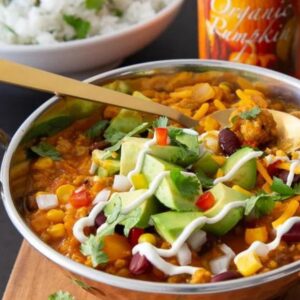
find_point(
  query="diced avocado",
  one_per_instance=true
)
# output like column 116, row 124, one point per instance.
column 140, row 95
column 167, row 193
column 224, row 195
column 245, row 176
column 120, row 86
column 206, row 164
column 130, row 150
column 173, row 154
column 123, row 123
column 170, row 224
column 146, row 209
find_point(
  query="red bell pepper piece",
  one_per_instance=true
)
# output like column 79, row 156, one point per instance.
column 161, row 136
column 205, row 201
column 81, row 197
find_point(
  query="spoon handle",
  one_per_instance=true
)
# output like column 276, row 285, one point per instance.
column 33, row 78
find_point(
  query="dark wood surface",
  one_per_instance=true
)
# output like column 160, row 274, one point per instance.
column 16, row 104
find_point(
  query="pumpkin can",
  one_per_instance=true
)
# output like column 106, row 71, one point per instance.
column 263, row 33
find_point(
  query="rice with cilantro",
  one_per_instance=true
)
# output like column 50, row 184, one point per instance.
column 54, row 21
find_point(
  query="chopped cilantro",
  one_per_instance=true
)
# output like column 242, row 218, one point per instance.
column 81, row 284
column 116, row 147
column 281, row 188
column 261, row 204
column 131, row 220
column 97, row 129
column 187, row 185
column 117, row 207
column 206, row 181
column 250, row 114
column 60, row 295
column 94, row 4
column 93, row 247
column 80, row 26
column 118, row 12
column 161, row 122
column 234, row 119
column 46, row 150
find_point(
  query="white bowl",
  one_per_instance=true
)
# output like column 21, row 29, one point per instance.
column 95, row 52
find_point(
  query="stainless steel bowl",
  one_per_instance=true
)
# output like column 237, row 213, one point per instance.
column 106, row 286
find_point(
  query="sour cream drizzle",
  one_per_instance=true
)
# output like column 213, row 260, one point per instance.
column 263, row 249
column 240, row 163
column 291, row 175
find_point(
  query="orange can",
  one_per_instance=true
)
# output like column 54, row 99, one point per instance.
column 265, row 33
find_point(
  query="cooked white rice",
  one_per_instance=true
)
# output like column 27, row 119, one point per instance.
column 44, row 21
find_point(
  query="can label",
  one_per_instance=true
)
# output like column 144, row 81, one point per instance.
column 257, row 32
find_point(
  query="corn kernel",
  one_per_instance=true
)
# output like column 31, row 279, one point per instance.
column 64, row 192
column 139, row 181
column 201, row 112
column 256, row 234
column 211, row 124
column 280, row 153
column 147, row 238
column 55, row 215
column 43, row 163
column 248, row 264
column 219, row 105
column 241, row 190
column 56, row 231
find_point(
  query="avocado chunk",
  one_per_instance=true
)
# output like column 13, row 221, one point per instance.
column 224, row 195
column 130, row 150
column 246, row 175
column 174, row 154
column 149, row 207
column 170, row 224
column 167, row 193
column 190, row 141
column 206, row 164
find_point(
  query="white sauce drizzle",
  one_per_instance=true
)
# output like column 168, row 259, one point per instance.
column 238, row 165
column 190, row 131
column 291, row 175
column 271, row 159
column 263, row 249
column 153, row 254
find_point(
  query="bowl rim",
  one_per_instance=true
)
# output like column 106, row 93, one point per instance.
column 113, row 280
column 21, row 48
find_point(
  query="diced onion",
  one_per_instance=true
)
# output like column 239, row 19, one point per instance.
column 184, row 255
column 102, row 196
column 121, row 183
column 46, row 201
column 93, row 168
column 197, row 240
column 220, row 264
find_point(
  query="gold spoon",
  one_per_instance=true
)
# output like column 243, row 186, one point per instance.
column 36, row 79
column 287, row 126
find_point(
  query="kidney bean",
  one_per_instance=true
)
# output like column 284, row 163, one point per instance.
column 139, row 264
column 226, row 276
column 293, row 235
column 283, row 175
column 100, row 219
column 228, row 141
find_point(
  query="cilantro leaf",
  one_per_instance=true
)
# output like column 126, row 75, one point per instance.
column 206, row 181
column 80, row 26
column 131, row 220
column 250, row 114
column 161, row 122
column 46, row 150
column 234, row 119
column 93, row 247
column 117, row 207
column 187, row 185
column 116, row 147
column 60, row 295
column 261, row 204
column 97, row 129
column 94, row 4
column 281, row 188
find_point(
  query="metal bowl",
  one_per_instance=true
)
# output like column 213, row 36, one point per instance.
column 106, row 286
